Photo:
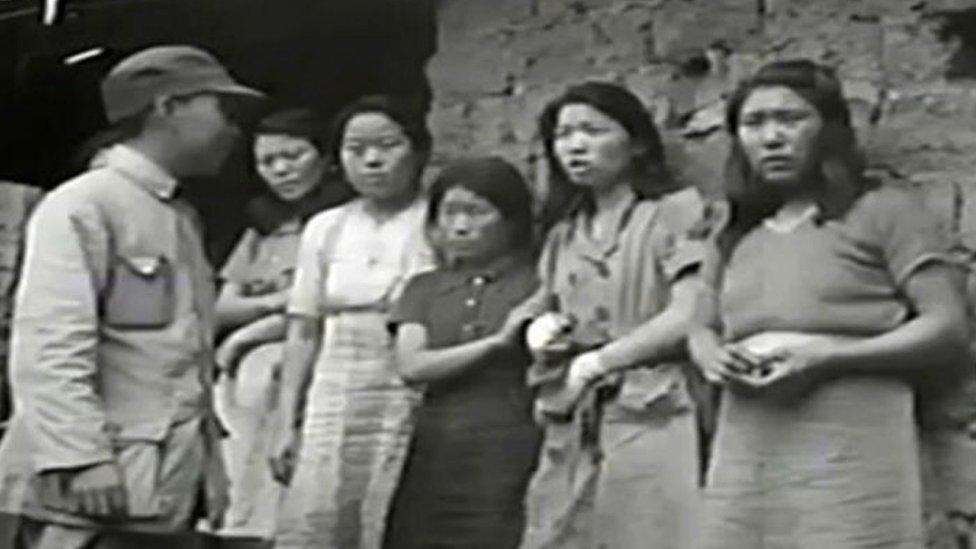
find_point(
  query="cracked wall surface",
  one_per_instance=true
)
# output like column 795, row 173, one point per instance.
column 908, row 68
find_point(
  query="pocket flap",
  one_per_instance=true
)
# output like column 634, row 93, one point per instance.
column 145, row 265
column 147, row 430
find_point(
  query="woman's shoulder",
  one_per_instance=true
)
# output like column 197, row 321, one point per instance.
column 326, row 219
column 684, row 203
column 427, row 282
column 676, row 211
column 885, row 197
column 887, row 204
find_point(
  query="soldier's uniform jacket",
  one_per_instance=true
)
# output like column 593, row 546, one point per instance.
column 112, row 348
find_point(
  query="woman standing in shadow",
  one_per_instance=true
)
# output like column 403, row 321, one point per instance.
column 290, row 159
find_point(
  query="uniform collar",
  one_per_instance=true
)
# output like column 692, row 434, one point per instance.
column 480, row 276
column 142, row 171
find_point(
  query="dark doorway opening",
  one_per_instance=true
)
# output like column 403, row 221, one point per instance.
column 961, row 27
column 316, row 53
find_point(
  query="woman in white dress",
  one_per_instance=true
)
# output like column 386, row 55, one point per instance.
column 339, row 380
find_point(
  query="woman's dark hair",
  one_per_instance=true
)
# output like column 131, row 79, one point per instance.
column 266, row 211
column 411, row 120
column 294, row 122
column 838, row 178
column 650, row 177
column 496, row 181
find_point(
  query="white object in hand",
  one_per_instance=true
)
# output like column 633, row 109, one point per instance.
column 545, row 330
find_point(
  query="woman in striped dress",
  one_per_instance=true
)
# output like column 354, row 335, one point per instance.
column 339, row 380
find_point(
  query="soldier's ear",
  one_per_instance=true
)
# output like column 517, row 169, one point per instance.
column 164, row 105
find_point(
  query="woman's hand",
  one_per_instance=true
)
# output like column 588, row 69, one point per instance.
column 283, row 454
column 584, row 370
column 720, row 363
column 787, row 372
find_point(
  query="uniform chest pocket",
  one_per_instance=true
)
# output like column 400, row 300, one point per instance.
column 140, row 295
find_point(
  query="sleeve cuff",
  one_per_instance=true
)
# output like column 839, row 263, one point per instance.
column 687, row 256
column 924, row 260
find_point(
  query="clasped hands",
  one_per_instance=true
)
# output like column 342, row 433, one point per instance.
column 548, row 339
column 766, row 362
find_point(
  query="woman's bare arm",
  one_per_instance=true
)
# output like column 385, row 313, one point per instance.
column 303, row 340
column 661, row 337
column 937, row 335
column 418, row 364
column 241, row 341
column 234, row 309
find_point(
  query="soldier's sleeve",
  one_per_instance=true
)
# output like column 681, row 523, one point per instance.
column 18, row 202
column 56, row 331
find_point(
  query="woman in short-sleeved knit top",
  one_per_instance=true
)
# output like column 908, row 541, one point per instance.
column 826, row 297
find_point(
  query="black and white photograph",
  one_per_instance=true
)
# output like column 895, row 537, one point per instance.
column 488, row 274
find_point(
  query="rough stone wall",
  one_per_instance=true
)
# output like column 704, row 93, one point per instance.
column 908, row 67
column 903, row 63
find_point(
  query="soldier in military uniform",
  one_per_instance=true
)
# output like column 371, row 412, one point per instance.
column 113, row 440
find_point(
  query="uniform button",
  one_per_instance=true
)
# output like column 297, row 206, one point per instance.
column 470, row 302
column 479, row 281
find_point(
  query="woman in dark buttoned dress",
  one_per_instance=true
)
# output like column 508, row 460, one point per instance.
column 475, row 443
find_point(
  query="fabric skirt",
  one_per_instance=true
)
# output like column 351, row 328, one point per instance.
column 355, row 436
column 464, row 483
column 637, row 488
column 835, row 468
column 244, row 405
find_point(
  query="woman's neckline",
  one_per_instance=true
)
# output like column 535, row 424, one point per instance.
column 609, row 213
column 791, row 216
column 380, row 215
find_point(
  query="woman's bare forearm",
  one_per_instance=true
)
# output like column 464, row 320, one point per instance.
column 303, row 340
column 235, row 309
column 919, row 344
column 265, row 330
column 426, row 365
column 937, row 336
column 660, row 338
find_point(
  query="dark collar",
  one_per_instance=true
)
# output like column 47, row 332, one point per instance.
column 455, row 278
